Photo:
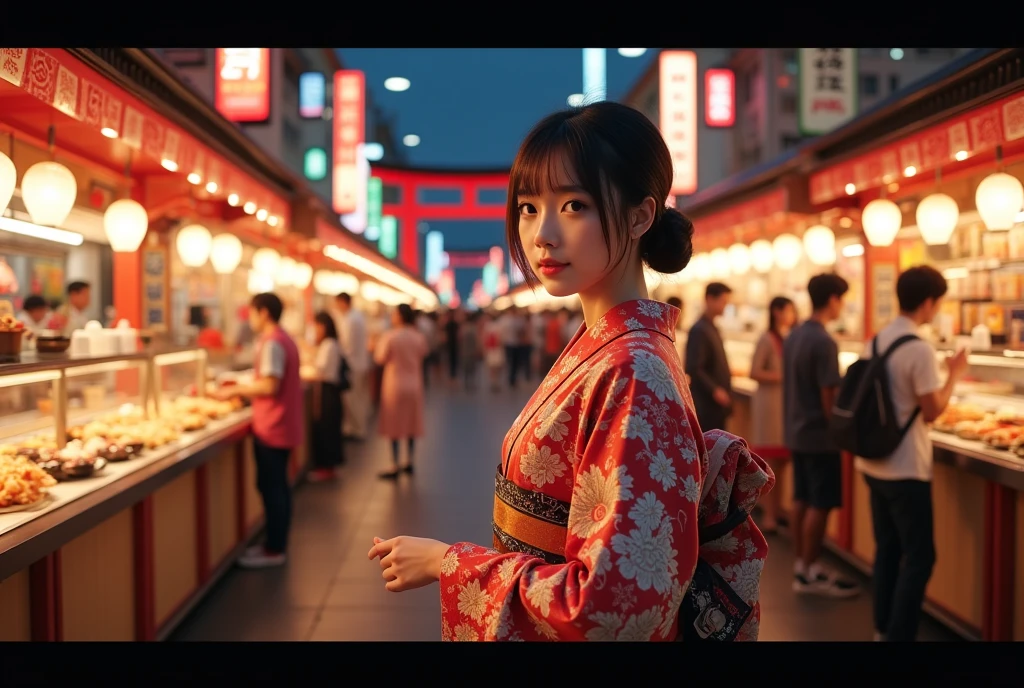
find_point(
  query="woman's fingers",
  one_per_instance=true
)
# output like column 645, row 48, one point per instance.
column 380, row 547
column 394, row 586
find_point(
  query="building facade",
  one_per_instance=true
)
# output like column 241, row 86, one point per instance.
column 766, row 99
column 286, row 135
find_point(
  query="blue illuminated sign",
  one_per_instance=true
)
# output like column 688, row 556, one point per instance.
column 312, row 95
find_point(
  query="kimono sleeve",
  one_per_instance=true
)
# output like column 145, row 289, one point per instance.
column 632, row 542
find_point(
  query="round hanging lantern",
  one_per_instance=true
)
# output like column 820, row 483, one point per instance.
column 49, row 190
column 8, row 180
column 125, row 223
column 739, row 259
column 881, row 220
column 762, row 255
column 370, row 291
column 193, row 243
column 302, row 275
column 285, row 270
column 820, row 245
column 937, row 216
column 787, row 250
column 719, row 263
column 266, row 261
column 322, row 282
column 225, row 253
column 701, row 266
column 999, row 199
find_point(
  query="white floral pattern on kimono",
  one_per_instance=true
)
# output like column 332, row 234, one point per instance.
column 612, row 433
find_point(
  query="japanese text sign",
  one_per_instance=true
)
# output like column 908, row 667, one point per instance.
column 719, row 98
column 678, row 114
column 349, row 133
column 828, row 88
column 242, row 84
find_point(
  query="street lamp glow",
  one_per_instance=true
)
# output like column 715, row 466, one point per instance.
column 411, row 140
column 397, row 84
column 896, row 53
column 632, row 52
column 575, row 100
column 373, row 151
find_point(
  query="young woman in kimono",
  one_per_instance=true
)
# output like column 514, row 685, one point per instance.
column 596, row 496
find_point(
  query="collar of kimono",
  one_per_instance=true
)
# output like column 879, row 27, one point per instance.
column 629, row 316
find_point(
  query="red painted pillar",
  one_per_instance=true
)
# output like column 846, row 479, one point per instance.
column 408, row 219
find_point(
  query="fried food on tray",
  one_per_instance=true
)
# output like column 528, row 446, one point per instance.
column 22, row 482
column 1003, row 438
column 974, row 430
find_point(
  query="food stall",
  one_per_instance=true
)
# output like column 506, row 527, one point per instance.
column 931, row 176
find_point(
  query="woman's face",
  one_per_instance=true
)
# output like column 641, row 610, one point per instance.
column 560, row 230
column 786, row 317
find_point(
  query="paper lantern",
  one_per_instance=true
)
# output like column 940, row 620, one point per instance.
column 370, row 291
column 266, row 261
column 820, row 245
column 193, row 243
column 49, row 191
column 225, row 253
column 999, row 199
column 125, row 223
column 787, row 251
column 762, row 255
column 285, row 271
column 8, row 180
column 937, row 216
column 881, row 220
column 701, row 267
column 322, row 282
column 302, row 275
column 739, row 259
column 719, row 263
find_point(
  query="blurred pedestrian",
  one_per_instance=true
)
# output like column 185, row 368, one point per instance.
column 401, row 351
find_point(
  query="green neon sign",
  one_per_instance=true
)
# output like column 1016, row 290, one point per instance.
column 315, row 164
column 374, row 207
column 388, row 244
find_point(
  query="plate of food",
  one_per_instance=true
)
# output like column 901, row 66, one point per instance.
column 23, row 484
column 1003, row 438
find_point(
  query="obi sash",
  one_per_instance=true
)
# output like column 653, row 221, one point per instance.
column 529, row 522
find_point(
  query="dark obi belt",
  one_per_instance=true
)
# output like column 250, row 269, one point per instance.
column 529, row 522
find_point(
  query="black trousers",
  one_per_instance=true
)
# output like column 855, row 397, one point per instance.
column 901, row 516
column 328, row 447
column 272, row 483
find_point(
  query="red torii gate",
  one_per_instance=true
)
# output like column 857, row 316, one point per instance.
column 409, row 211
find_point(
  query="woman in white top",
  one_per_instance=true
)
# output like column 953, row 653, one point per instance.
column 328, row 448
column 766, row 435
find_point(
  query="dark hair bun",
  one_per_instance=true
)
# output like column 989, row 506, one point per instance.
column 668, row 246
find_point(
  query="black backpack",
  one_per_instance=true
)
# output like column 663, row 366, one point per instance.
column 864, row 417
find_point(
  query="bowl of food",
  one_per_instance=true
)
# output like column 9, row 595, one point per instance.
column 52, row 345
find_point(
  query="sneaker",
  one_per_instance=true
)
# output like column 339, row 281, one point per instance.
column 262, row 560
column 825, row 585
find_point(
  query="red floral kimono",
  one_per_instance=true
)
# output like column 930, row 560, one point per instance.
column 596, row 499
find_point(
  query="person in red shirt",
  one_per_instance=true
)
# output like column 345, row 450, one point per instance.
column 277, row 424
column 208, row 338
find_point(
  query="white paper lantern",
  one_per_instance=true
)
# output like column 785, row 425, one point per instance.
column 370, row 291
column 787, row 251
column 125, row 223
column 762, row 255
column 285, row 270
column 266, row 261
column 701, row 267
column 49, row 191
column 881, row 220
column 193, row 243
column 937, row 216
column 739, row 259
column 999, row 199
column 820, row 245
column 302, row 275
column 8, row 180
column 719, row 263
column 260, row 283
column 322, row 282
column 225, row 253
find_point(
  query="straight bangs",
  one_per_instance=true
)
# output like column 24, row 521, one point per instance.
column 556, row 150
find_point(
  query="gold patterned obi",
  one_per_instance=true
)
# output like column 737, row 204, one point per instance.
column 529, row 522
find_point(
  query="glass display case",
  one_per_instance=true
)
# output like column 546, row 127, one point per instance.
column 75, row 424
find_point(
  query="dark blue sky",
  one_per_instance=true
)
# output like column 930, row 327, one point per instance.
column 472, row 106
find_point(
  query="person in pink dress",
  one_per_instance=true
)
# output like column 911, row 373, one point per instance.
column 401, row 352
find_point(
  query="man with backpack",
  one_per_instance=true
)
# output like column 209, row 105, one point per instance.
column 810, row 384
column 900, row 481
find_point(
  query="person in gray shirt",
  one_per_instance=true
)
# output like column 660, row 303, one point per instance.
column 810, row 384
column 706, row 364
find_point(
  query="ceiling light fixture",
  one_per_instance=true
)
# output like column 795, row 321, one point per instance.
column 411, row 140
column 397, row 84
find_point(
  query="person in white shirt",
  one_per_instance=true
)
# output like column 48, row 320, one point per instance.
column 73, row 314
column 35, row 315
column 355, row 347
column 901, row 487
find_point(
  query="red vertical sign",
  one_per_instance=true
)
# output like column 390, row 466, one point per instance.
column 719, row 97
column 349, row 133
column 678, row 114
column 242, row 84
